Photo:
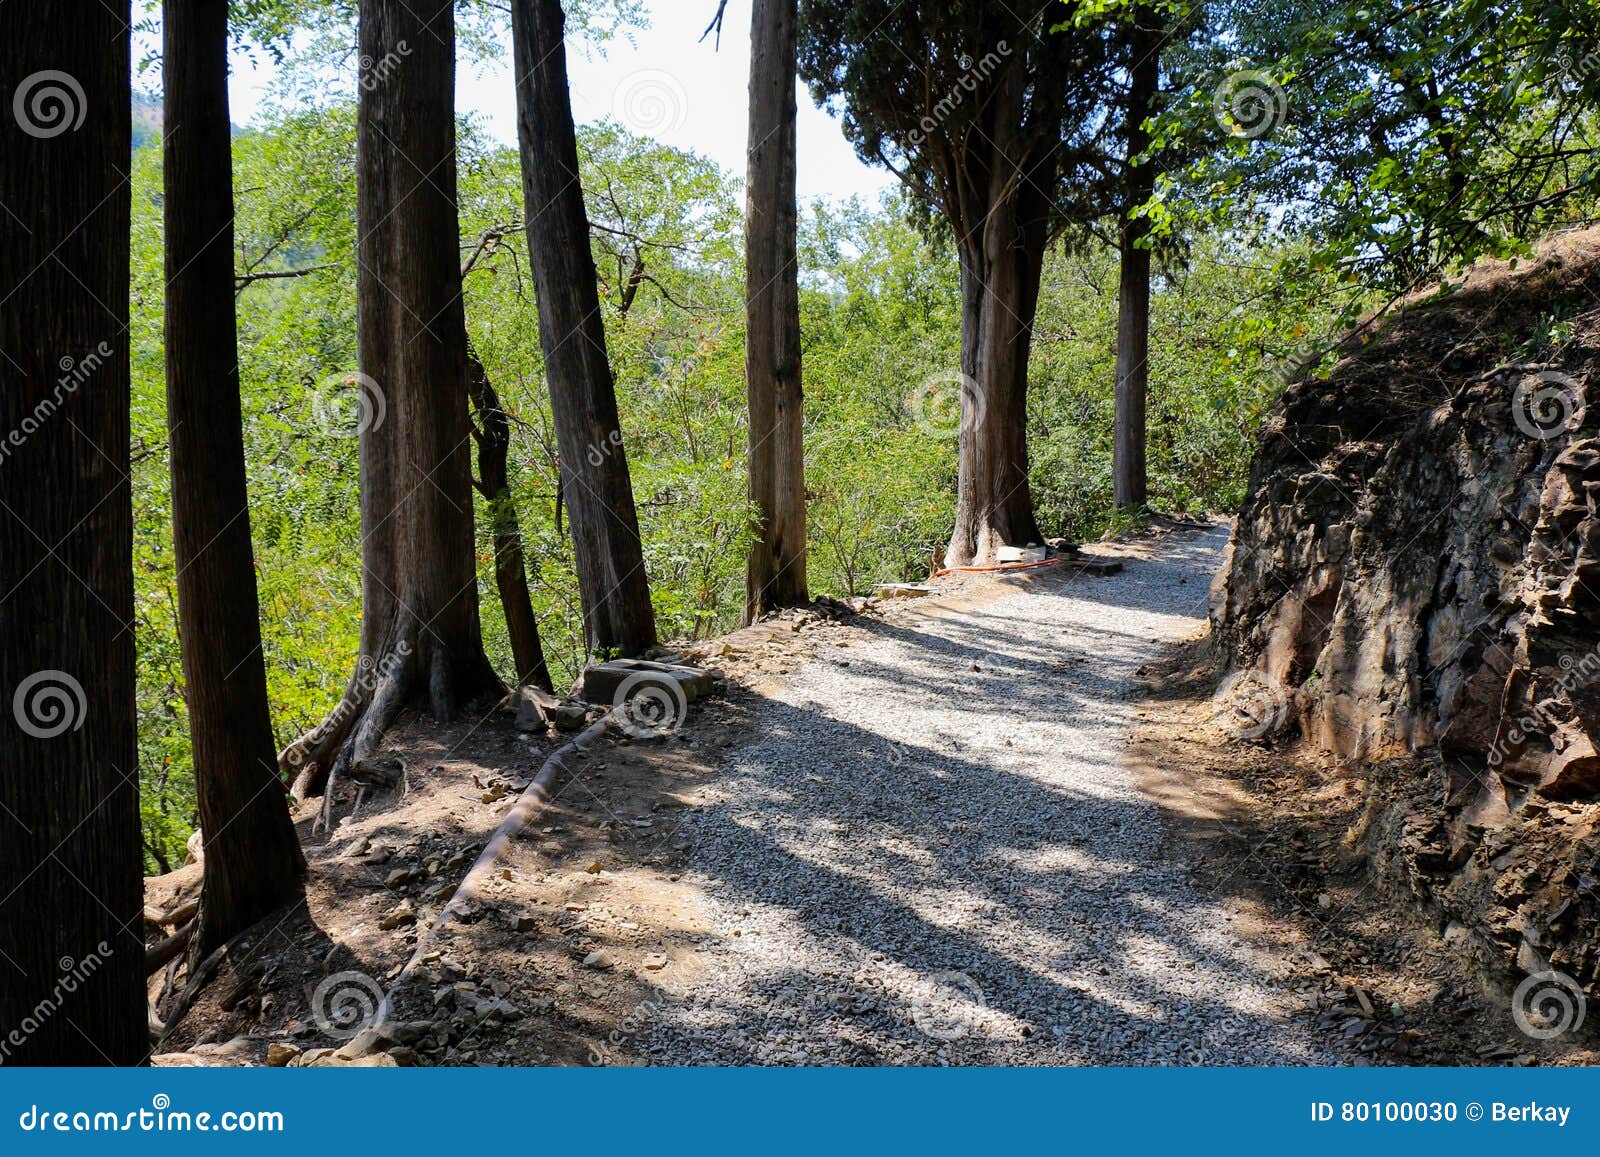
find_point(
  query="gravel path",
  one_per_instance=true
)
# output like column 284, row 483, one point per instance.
column 924, row 861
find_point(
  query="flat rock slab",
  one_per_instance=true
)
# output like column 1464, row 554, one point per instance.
column 602, row 682
column 1085, row 565
column 905, row 590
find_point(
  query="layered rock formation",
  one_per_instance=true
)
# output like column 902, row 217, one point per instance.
column 1416, row 572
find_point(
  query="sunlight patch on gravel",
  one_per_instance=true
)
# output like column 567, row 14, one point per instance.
column 932, row 852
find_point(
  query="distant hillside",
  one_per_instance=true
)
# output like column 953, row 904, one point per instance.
column 147, row 116
column 146, row 119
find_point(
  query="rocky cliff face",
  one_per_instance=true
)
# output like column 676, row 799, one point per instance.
column 1415, row 575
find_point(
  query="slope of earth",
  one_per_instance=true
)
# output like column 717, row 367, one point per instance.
column 1283, row 830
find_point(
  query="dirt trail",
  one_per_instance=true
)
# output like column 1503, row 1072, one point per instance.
column 907, row 837
column 932, row 850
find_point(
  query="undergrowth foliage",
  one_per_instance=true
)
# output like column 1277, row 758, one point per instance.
column 880, row 320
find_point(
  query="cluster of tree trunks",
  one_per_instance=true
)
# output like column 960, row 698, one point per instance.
column 1001, row 209
column 71, row 805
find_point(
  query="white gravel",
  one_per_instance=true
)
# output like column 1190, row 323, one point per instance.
column 923, row 863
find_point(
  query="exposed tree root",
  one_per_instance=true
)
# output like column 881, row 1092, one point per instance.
column 157, row 956
column 311, row 759
column 198, row 979
column 348, row 743
column 528, row 805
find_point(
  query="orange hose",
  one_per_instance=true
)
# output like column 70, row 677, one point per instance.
column 999, row 566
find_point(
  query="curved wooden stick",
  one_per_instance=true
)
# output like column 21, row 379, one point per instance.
column 532, row 799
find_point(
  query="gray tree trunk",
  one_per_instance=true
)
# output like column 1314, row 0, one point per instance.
column 1133, row 285
column 617, row 614
column 776, row 573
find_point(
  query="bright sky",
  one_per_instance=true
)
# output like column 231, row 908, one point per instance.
column 664, row 84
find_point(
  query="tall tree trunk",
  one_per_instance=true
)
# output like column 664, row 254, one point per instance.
column 510, row 566
column 421, row 641
column 71, row 936
column 617, row 615
column 776, row 574
column 253, row 862
column 1133, row 285
column 1001, row 252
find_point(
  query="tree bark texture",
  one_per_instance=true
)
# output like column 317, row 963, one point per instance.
column 1128, row 474
column 510, row 561
column 71, row 902
column 253, row 862
column 1002, row 234
column 776, row 573
column 618, row 617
